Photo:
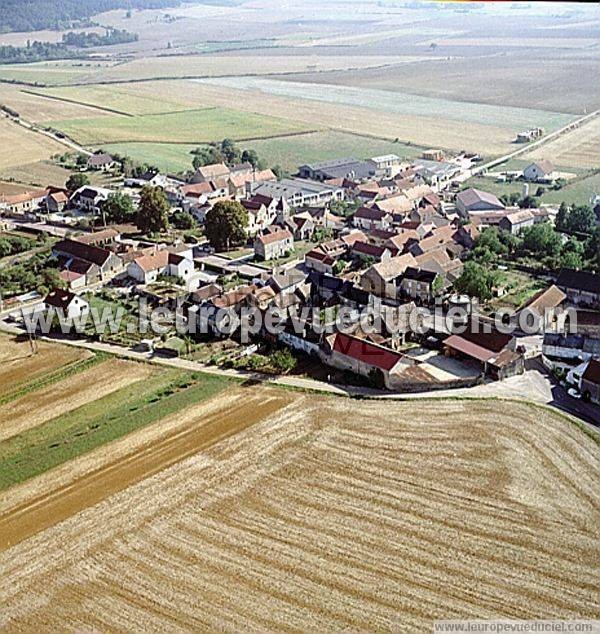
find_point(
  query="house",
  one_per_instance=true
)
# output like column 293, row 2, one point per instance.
column 96, row 263
column 390, row 164
column 299, row 192
column 238, row 180
column 22, row 204
column 373, row 252
column 275, row 244
column 472, row 199
column 347, row 168
column 104, row 237
column 544, row 304
column 56, row 200
column 100, row 161
column 540, row 172
column 582, row 288
column 66, row 303
column 383, row 279
column 88, row 198
column 516, row 221
column 371, row 218
column 397, row 205
column 302, row 226
column 316, row 260
column 437, row 174
column 590, row 382
column 148, row 267
column 494, row 353
column 151, row 177
column 376, row 362
column 418, row 284
column 260, row 215
column 208, row 173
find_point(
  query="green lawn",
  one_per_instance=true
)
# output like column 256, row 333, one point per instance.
column 520, row 288
column 191, row 126
column 287, row 151
column 63, row 438
column 577, row 191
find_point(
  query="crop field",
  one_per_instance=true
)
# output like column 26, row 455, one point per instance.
column 218, row 65
column 398, row 103
column 263, row 510
column 25, row 146
column 287, row 151
column 56, row 399
column 546, row 80
column 53, row 72
column 18, row 366
column 116, row 98
column 191, row 126
column 578, row 148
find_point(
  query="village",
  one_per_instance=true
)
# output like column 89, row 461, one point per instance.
column 382, row 234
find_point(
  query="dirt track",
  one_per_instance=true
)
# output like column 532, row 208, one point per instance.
column 329, row 514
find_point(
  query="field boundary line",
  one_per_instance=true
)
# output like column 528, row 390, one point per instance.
column 78, row 103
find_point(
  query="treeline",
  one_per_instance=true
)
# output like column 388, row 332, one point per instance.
column 43, row 51
column 34, row 15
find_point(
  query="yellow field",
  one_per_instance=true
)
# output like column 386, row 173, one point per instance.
column 578, row 148
column 18, row 366
column 216, row 65
column 421, row 130
column 25, row 146
column 326, row 515
column 35, row 408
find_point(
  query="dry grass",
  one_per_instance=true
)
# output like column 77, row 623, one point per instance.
column 35, row 408
column 420, row 130
column 578, row 148
column 19, row 367
column 327, row 515
column 25, row 146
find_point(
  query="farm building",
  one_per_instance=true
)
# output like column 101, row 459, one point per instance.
column 494, row 353
column 298, row 192
column 582, row 288
column 472, row 199
column 539, row 172
column 371, row 218
column 383, row 279
column 517, row 221
column 347, row 168
column 96, row 263
column 100, row 161
column 590, row 381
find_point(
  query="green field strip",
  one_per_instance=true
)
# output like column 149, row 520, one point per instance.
column 140, row 404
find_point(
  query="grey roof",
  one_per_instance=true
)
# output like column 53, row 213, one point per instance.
column 344, row 168
column 474, row 196
column 288, row 187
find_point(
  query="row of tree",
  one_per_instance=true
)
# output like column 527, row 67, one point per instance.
column 35, row 15
column 40, row 51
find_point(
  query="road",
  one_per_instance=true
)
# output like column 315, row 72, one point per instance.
column 535, row 385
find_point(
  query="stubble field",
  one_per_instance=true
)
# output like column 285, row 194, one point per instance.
column 264, row 510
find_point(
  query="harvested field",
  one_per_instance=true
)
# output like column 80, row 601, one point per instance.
column 51, row 73
column 421, row 130
column 578, row 148
column 26, row 146
column 316, row 518
column 56, row 399
column 38, row 109
column 216, row 65
column 18, row 366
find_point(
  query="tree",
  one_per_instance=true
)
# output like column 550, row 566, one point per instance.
column 250, row 156
column 283, row 361
column 118, row 207
column 541, row 240
column 225, row 224
column 77, row 180
column 528, row 202
column 592, row 249
column 230, row 151
column 475, row 281
column 278, row 171
column 562, row 217
column 183, row 220
column 153, row 210
column 582, row 219
column 488, row 246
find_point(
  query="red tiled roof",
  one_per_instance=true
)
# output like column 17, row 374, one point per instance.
column 456, row 342
column 318, row 255
column 366, row 352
